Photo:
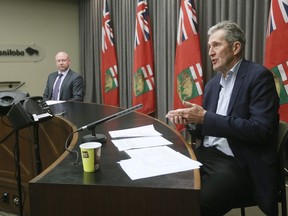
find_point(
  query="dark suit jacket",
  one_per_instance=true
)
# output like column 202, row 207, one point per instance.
column 250, row 127
column 72, row 88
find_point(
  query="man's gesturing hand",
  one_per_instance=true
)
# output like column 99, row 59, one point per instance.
column 192, row 114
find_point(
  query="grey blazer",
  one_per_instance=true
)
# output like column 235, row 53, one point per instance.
column 72, row 88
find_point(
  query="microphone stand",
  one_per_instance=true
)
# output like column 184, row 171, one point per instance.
column 14, row 115
column 100, row 137
column 93, row 137
column 37, row 149
column 18, row 167
column 18, row 172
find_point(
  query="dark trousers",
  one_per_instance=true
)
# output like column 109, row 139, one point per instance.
column 223, row 182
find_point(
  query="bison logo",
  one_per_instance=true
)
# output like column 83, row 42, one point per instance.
column 30, row 51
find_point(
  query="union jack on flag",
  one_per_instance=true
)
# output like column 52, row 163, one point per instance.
column 187, row 14
column 142, row 24
column 283, row 6
column 271, row 23
column 107, row 32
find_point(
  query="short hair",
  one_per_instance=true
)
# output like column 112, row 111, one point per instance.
column 233, row 33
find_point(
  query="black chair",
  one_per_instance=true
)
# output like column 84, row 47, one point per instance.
column 282, row 145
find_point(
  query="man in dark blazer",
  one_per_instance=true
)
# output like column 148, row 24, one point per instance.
column 237, row 126
column 64, row 84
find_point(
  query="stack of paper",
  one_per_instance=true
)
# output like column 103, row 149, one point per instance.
column 149, row 155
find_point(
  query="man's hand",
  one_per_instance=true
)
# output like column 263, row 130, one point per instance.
column 192, row 114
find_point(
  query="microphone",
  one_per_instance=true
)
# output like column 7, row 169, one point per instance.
column 101, row 137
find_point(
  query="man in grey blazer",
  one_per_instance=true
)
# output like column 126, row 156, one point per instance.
column 237, row 126
column 64, row 84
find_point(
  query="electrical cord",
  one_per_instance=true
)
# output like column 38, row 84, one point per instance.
column 72, row 151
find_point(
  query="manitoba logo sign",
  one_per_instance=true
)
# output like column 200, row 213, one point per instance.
column 21, row 53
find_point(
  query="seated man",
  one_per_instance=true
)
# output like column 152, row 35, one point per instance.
column 64, row 84
column 237, row 125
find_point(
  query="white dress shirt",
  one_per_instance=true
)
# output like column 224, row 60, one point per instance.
column 227, row 85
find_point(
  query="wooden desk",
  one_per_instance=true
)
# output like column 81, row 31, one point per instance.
column 64, row 189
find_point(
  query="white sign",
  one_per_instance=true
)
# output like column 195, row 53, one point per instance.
column 21, row 53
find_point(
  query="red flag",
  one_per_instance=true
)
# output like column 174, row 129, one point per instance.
column 110, row 87
column 188, row 75
column 143, row 72
column 276, row 52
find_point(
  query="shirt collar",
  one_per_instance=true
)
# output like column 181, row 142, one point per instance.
column 64, row 73
column 233, row 70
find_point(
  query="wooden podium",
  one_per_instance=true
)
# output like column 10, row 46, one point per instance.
column 52, row 135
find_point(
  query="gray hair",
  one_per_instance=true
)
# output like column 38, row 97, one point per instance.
column 233, row 33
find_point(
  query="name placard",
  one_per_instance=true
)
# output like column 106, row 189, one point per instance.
column 20, row 53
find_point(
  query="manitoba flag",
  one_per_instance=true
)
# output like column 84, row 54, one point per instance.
column 143, row 71
column 110, row 88
column 188, row 75
column 276, row 51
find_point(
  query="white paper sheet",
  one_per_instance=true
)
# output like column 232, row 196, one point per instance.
column 52, row 102
column 147, row 130
column 140, row 142
column 156, row 161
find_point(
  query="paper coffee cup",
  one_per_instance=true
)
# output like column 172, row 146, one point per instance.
column 89, row 178
column 90, row 153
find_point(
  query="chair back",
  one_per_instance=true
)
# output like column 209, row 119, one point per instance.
column 282, row 144
column 282, row 136
column 281, row 151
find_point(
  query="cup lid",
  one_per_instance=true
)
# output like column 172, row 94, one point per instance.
column 90, row 145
